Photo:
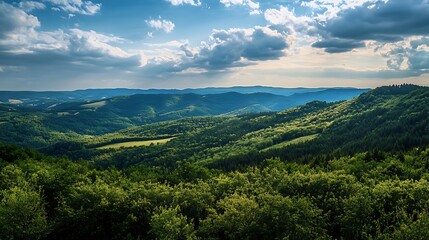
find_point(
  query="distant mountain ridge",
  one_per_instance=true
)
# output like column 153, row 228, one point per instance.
column 77, row 120
column 148, row 108
column 393, row 118
column 45, row 99
column 112, row 114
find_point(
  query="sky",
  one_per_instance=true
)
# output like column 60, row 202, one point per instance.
column 79, row 44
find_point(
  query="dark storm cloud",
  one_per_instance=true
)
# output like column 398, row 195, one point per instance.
column 383, row 22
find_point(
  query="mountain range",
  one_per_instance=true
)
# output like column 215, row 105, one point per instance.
column 108, row 169
column 77, row 121
column 44, row 99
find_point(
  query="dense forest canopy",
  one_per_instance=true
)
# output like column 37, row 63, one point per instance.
column 355, row 169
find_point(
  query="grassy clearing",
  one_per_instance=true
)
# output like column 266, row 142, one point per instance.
column 95, row 104
column 135, row 144
column 293, row 141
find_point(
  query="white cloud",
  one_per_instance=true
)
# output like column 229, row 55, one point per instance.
column 22, row 44
column 185, row 2
column 410, row 54
column 328, row 9
column 29, row 6
column 16, row 26
column 255, row 12
column 76, row 6
column 226, row 49
column 91, row 42
column 284, row 16
column 170, row 44
column 254, row 6
column 160, row 24
column 299, row 28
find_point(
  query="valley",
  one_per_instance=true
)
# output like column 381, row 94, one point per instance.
column 355, row 168
column 214, row 119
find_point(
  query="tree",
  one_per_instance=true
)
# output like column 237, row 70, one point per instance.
column 170, row 224
column 22, row 215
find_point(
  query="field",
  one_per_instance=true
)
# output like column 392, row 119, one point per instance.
column 95, row 104
column 135, row 144
column 293, row 141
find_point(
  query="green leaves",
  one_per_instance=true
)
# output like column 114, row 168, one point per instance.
column 216, row 181
column 22, row 215
column 170, row 224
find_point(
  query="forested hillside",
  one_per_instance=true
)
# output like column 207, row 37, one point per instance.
column 44, row 99
column 40, row 119
column 355, row 169
column 376, row 120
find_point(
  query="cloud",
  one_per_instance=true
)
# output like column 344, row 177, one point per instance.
column 71, row 48
column 226, row 49
column 28, row 53
column 338, row 45
column 185, row 2
column 91, row 43
column 76, row 6
column 323, row 10
column 160, row 24
column 187, row 50
column 254, row 6
column 74, row 58
column 16, row 26
column 29, row 6
column 392, row 32
column 19, row 33
column 286, row 18
column 411, row 54
column 382, row 21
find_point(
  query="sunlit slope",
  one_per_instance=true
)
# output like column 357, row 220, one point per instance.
column 389, row 118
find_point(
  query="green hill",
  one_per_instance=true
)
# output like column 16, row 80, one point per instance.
column 108, row 115
column 377, row 120
column 355, row 169
column 43, row 100
column 66, row 119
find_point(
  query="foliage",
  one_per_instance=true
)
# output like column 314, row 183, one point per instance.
column 22, row 215
column 356, row 169
column 170, row 224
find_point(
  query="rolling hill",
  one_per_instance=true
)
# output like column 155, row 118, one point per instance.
column 32, row 126
column 147, row 108
column 46, row 99
column 355, row 169
column 390, row 119
column 385, row 113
